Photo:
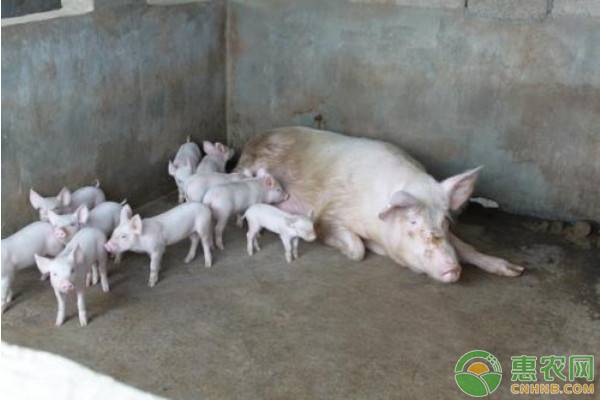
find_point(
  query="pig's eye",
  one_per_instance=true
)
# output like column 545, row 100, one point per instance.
column 72, row 270
column 54, row 274
column 413, row 222
column 123, row 236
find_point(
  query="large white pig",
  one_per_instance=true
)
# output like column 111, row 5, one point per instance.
column 370, row 194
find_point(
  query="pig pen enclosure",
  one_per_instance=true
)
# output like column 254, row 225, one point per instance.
column 110, row 89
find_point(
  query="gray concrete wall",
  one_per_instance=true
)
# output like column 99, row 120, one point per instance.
column 512, row 85
column 108, row 94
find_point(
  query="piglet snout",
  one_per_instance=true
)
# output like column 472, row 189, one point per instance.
column 59, row 233
column 450, row 275
column 66, row 286
column 110, row 247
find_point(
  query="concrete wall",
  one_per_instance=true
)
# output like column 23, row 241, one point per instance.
column 14, row 8
column 513, row 85
column 108, row 94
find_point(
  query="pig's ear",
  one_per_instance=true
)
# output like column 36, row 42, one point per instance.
column 82, row 213
column 35, row 199
column 52, row 218
column 221, row 148
column 126, row 213
column 171, row 168
column 208, row 147
column 398, row 201
column 460, row 187
column 136, row 224
column 42, row 263
column 64, row 197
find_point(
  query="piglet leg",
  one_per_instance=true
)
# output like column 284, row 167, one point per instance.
column 287, row 244
column 81, row 308
column 494, row 265
column 295, row 242
column 60, row 300
column 155, row 259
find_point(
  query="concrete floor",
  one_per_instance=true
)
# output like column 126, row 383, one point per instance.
column 323, row 327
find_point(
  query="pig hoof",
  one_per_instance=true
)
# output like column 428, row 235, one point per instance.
column 58, row 322
column 152, row 282
column 513, row 269
column 83, row 322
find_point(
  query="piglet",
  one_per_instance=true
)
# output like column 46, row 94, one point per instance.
column 235, row 197
column 18, row 252
column 65, row 201
column 153, row 235
column 290, row 228
column 68, row 271
column 198, row 184
column 188, row 156
column 216, row 157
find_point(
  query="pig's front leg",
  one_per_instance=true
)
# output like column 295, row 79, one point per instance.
column 295, row 242
column 287, row 244
column 6, row 292
column 103, row 274
column 495, row 265
column 81, row 307
column 60, row 301
column 118, row 258
column 350, row 244
column 181, row 196
column 206, row 245
column 155, row 259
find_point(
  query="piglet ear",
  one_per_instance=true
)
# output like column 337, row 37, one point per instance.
column 35, row 199
column 126, row 213
column 460, row 187
column 83, row 214
column 42, row 263
column 398, row 201
column 136, row 224
column 171, row 168
column 64, row 197
column 208, row 147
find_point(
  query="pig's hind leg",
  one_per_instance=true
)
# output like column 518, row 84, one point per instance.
column 494, row 265
column 349, row 243
column 194, row 241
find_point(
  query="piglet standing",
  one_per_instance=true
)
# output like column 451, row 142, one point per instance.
column 153, row 235
column 19, row 249
column 290, row 228
column 65, row 201
column 188, row 156
column 235, row 197
column 217, row 155
column 197, row 185
column 68, row 271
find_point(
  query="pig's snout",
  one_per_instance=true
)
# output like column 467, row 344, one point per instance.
column 450, row 275
column 110, row 247
column 66, row 286
column 60, row 233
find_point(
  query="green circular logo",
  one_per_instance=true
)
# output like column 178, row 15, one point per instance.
column 478, row 373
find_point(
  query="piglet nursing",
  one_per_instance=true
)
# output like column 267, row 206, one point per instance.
column 289, row 227
column 370, row 194
column 235, row 197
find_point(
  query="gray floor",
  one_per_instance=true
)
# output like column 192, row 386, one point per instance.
column 322, row 327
